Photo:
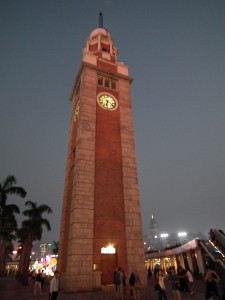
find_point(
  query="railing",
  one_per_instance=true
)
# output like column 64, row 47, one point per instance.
column 215, row 260
column 220, row 238
column 218, row 264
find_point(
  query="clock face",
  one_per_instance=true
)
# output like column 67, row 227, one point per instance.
column 107, row 102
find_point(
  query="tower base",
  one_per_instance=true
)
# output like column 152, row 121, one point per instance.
column 78, row 283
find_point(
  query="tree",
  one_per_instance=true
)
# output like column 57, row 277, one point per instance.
column 31, row 231
column 8, row 222
column 8, row 225
column 8, row 188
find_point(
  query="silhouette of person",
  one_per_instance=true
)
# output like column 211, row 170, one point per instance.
column 211, row 278
column 54, row 286
column 174, row 281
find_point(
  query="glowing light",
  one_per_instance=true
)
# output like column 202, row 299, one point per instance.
column 14, row 252
column 164, row 235
column 48, row 258
column 180, row 234
column 108, row 250
column 54, row 262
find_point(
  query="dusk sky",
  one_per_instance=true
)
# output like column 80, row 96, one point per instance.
column 175, row 50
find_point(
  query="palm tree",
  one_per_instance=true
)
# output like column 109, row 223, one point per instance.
column 7, row 188
column 8, row 225
column 31, row 231
column 22, row 234
column 8, row 250
column 8, row 222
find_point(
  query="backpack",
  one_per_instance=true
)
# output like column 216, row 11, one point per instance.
column 117, row 278
column 132, row 279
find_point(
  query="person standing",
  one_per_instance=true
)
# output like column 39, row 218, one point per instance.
column 174, row 281
column 117, row 282
column 54, row 286
column 190, row 281
column 124, row 279
column 149, row 273
column 37, row 283
column 42, row 279
column 211, row 278
column 183, row 279
column 121, row 286
column 161, row 289
column 135, row 284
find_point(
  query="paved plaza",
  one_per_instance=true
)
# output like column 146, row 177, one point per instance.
column 10, row 288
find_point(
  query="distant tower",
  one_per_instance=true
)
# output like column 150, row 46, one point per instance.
column 101, row 220
column 153, row 227
column 154, row 232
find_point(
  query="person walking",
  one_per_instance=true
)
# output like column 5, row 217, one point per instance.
column 54, row 286
column 174, row 281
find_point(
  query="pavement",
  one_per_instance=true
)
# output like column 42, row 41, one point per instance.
column 11, row 289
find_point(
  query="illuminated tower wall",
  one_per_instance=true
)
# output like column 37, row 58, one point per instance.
column 101, row 201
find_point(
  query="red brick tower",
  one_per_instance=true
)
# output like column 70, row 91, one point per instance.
column 101, row 221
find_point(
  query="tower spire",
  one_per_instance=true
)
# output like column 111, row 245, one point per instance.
column 100, row 20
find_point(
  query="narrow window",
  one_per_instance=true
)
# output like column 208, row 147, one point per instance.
column 107, row 83
column 113, row 85
column 100, row 80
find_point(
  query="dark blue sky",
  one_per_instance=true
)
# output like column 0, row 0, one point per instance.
column 175, row 50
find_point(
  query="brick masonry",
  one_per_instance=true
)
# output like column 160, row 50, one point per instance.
column 101, row 198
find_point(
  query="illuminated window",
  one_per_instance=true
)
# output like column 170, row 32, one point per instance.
column 108, row 250
column 96, row 267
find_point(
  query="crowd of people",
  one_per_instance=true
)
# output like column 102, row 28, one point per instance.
column 121, row 281
column 127, row 285
column 181, row 281
column 39, row 279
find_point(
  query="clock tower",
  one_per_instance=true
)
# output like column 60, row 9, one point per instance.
column 101, row 220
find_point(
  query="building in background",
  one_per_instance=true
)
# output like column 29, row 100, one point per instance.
column 151, row 240
column 157, row 240
column 41, row 249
